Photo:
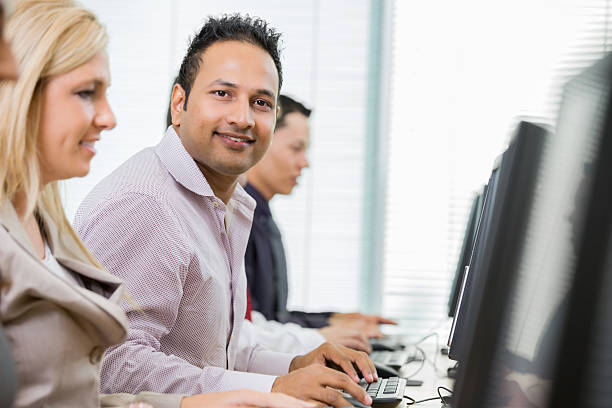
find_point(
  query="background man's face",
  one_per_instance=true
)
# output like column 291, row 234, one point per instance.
column 281, row 166
column 231, row 112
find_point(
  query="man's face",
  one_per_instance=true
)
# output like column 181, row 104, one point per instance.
column 231, row 112
column 279, row 169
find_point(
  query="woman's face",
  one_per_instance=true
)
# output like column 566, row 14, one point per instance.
column 74, row 112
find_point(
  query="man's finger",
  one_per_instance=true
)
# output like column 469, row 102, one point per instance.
column 358, row 344
column 337, row 356
column 373, row 332
column 373, row 368
column 384, row 320
column 365, row 365
column 357, row 334
column 341, row 381
column 343, row 403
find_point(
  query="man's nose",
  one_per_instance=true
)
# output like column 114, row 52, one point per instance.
column 241, row 114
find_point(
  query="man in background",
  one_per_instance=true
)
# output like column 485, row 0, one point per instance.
column 266, row 267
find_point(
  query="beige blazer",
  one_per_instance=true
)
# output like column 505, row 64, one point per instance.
column 58, row 330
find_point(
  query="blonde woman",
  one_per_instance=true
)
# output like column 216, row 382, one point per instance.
column 58, row 306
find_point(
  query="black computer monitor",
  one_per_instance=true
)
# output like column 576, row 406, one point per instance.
column 509, row 186
column 465, row 253
column 583, row 370
column 528, row 346
column 456, row 338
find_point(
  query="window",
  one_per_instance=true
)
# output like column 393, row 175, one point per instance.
column 461, row 81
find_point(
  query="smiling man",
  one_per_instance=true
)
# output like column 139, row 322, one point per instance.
column 173, row 222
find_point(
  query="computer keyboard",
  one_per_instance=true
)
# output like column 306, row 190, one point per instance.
column 396, row 359
column 385, row 389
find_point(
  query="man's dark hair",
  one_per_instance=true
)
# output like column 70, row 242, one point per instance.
column 232, row 27
column 288, row 105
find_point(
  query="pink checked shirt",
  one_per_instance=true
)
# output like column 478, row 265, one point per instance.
column 155, row 223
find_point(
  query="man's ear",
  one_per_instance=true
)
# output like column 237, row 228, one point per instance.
column 177, row 102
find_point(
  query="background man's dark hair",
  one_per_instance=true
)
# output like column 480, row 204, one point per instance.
column 288, row 105
column 228, row 28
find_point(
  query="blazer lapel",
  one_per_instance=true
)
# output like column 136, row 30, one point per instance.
column 10, row 221
column 68, row 253
column 111, row 321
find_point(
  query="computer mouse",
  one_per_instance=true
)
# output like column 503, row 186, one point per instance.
column 354, row 402
column 385, row 371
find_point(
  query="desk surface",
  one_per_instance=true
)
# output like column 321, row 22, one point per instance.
column 432, row 377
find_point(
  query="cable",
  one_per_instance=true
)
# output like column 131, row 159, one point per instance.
column 423, row 400
column 439, row 324
column 420, row 366
column 426, row 337
column 445, row 389
column 433, row 363
column 445, row 398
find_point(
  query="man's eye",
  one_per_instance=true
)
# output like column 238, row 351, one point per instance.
column 262, row 103
column 222, row 94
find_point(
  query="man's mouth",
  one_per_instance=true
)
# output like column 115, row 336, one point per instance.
column 235, row 139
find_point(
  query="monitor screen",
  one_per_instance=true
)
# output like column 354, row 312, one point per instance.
column 460, row 320
column 466, row 250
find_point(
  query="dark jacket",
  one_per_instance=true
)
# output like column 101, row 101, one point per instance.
column 266, row 270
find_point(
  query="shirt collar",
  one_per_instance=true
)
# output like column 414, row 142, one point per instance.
column 262, row 204
column 181, row 165
column 183, row 168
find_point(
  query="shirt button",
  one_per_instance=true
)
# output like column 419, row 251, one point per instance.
column 216, row 204
column 95, row 355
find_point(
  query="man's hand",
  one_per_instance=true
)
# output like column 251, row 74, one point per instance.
column 320, row 384
column 338, row 357
column 367, row 324
column 243, row 398
column 346, row 336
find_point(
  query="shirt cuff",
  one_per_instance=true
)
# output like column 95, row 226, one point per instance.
column 271, row 362
column 252, row 381
column 311, row 338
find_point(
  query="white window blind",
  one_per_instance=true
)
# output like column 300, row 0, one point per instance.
column 324, row 62
column 461, row 79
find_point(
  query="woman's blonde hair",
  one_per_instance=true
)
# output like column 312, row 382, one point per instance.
column 48, row 38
